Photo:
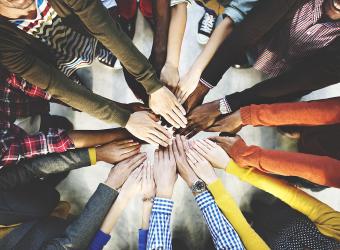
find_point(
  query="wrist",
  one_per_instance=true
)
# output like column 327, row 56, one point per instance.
column 164, row 193
column 172, row 63
column 210, row 179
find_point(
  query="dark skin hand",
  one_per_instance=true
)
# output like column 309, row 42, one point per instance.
column 230, row 124
column 160, row 25
column 196, row 98
column 202, row 118
column 225, row 142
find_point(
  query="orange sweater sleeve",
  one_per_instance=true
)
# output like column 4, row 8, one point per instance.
column 318, row 169
column 311, row 113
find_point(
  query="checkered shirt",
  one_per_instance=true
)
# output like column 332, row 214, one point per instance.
column 159, row 236
column 222, row 232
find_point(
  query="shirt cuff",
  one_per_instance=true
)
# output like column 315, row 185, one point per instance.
column 99, row 240
column 204, row 200
column 207, row 84
column 246, row 115
column 142, row 238
column 234, row 14
column 93, row 156
column 161, row 205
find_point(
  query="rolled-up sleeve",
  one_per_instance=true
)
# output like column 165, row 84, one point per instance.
column 237, row 10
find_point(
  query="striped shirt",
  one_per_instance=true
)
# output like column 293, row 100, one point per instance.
column 73, row 50
column 222, row 232
column 301, row 35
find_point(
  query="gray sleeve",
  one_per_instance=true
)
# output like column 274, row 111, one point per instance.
column 237, row 10
column 26, row 171
column 79, row 234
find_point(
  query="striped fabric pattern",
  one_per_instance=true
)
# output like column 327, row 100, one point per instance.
column 159, row 236
column 304, row 33
column 72, row 49
column 222, row 232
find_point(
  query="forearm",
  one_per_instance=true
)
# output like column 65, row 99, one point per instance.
column 311, row 113
column 147, row 207
column 322, row 170
column 91, row 138
column 176, row 33
column 114, row 213
column 325, row 218
column 223, row 199
column 221, row 32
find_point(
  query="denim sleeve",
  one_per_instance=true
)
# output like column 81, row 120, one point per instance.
column 238, row 9
column 79, row 234
column 142, row 239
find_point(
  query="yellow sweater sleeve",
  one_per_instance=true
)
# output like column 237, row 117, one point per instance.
column 250, row 239
column 326, row 219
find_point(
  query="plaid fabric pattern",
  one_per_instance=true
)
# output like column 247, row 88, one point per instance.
column 302, row 34
column 222, row 232
column 159, row 236
column 16, row 144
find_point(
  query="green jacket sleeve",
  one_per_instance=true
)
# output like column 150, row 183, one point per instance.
column 99, row 23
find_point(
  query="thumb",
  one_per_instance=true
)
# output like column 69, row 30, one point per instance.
column 154, row 117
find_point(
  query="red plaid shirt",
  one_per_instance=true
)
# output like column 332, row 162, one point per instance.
column 302, row 34
column 21, row 99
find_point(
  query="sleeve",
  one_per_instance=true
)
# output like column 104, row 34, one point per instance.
column 109, row 3
column 322, row 170
column 108, row 32
column 79, row 234
column 222, row 232
column 313, row 113
column 99, row 241
column 326, row 219
column 142, row 239
column 16, row 144
column 229, row 208
column 238, row 9
column 159, row 236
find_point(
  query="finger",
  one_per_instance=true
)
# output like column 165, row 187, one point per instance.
column 195, row 155
column 201, row 151
column 164, row 131
column 145, row 177
column 191, row 163
column 178, row 118
column 217, row 139
column 190, row 156
column 184, row 143
column 137, row 164
column 156, row 158
column 156, row 141
column 135, row 158
column 127, row 150
column 203, row 145
column 215, row 129
column 154, row 117
column 192, row 133
column 165, row 140
column 211, row 143
column 131, row 153
column 179, row 112
column 171, row 154
column 128, row 141
column 166, row 154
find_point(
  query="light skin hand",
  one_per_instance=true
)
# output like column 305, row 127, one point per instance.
column 165, row 172
column 179, row 146
column 144, row 125
column 212, row 152
column 148, row 182
column 164, row 103
column 187, row 85
column 201, row 166
column 119, row 173
column 225, row 142
column 230, row 123
column 133, row 184
column 117, row 151
column 170, row 76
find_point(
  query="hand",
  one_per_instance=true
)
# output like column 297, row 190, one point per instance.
column 226, row 142
column 119, row 173
column 187, row 85
column 117, row 151
column 148, row 183
column 230, row 124
column 144, row 126
column 133, row 184
column 202, row 118
column 164, row 103
column 212, row 152
column 201, row 166
column 196, row 98
column 179, row 146
column 170, row 76
column 165, row 172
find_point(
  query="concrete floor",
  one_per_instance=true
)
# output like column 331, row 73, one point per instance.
column 187, row 222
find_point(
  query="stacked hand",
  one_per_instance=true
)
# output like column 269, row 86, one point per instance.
column 230, row 124
column 165, row 172
column 170, row 76
column 187, row 85
column 148, row 183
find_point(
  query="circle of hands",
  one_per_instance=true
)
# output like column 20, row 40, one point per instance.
column 192, row 160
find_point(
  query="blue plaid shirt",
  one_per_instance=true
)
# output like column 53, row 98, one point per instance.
column 159, row 236
column 222, row 232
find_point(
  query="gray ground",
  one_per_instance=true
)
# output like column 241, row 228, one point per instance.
column 187, row 222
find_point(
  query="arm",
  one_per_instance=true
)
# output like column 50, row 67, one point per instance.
column 169, row 73
column 143, row 232
column 326, row 219
column 222, row 232
column 313, row 113
column 161, row 10
column 223, row 199
column 322, row 170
